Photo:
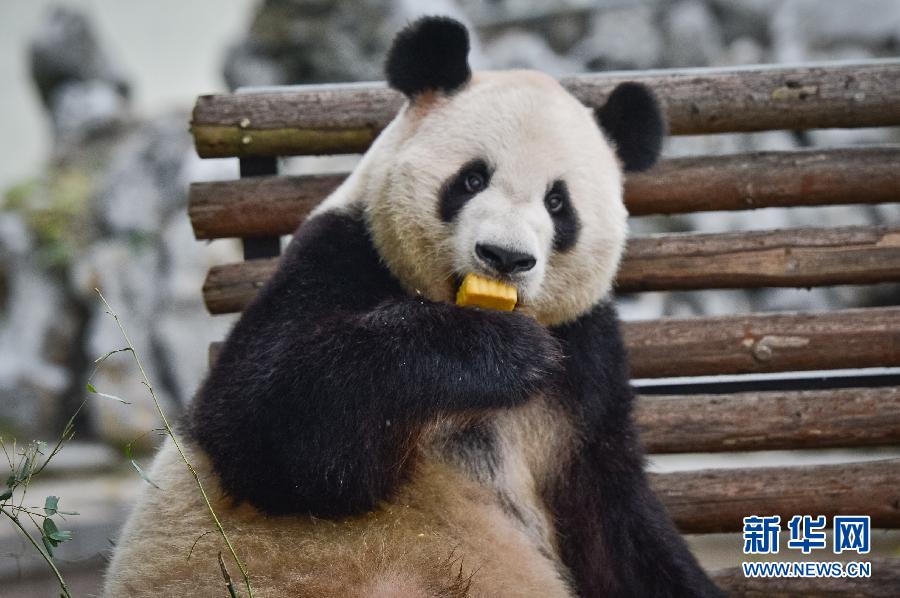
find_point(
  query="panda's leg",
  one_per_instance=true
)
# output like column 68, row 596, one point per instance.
column 616, row 538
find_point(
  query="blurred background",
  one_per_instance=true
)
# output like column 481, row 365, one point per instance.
column 96, row 160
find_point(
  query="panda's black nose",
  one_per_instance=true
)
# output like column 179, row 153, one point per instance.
column 504, row 261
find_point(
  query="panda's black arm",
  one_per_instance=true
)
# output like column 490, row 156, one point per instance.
column 321, row 389
column 615, row 536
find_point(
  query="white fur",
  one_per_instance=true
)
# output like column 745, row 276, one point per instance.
column 441, row 527
column 532, row 132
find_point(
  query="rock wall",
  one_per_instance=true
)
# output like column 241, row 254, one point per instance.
column 109, row 211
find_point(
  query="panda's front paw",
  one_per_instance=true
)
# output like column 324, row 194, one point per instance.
column 530, row 356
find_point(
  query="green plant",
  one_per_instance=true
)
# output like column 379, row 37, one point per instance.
column 25, row 464
column 28, row 461
column 129, row 348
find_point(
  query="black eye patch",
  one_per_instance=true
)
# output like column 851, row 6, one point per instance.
column 470, row 180
column 565, row 220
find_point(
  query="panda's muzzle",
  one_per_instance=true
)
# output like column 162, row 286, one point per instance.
column 504, row 261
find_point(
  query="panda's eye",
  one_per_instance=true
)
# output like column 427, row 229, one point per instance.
column 472, row 178
column 562, row 210
column 555, row 203
column 474, row 182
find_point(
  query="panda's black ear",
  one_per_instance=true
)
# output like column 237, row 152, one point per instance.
column 429, row 54
column 633, row 121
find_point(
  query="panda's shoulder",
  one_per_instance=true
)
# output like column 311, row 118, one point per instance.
column 331, row 253
column 332, row 233
column 330, row 242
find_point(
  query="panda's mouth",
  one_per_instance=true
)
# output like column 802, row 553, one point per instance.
column 455, row 282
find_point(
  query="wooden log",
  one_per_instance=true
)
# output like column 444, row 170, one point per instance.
column 262, row 206
column 257, row 206
column 231, row 287
column 884, row 583
column 759, row 343
column 786, row 258
column 790, row 258
column 346, row 118
column 753, row 421
column 779, row 342
column 717, row 500
column 766, row 180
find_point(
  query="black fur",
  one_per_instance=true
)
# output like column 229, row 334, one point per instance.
column 454, row 194
column 317, row 398
column 429, row 55
column 565, row 222
column 474, row 447
column 615, row 537
column 634, row 122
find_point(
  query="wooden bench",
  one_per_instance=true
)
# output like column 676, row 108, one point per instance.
column 259, row 125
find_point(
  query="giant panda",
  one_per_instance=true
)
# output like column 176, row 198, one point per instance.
column 362, row 435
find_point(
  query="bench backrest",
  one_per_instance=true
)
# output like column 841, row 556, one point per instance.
column 259, row 125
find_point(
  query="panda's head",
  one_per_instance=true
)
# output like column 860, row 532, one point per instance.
column 504, row 174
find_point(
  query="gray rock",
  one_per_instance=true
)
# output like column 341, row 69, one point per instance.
column 622, row 38
column 33, row 307
column 807, row 29
column 129, row 275
column 82, row 108
column 184, row 329
column 248, row 65
column 562, row 32
column 693, row 34
column 561, row 24
column 295, row 41
column 729, row 143
column 744, row 18
column 145, row 183
column 301, row 41
column 73, row 73
column 517, row 49
column 110, row 213
column 743, row 50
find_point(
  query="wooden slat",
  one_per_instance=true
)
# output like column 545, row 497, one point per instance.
column 257, row 206
column 767, row 180
column 231, row 287
column 717, row 500
column 884, row 583
column 751, row 421
column 781, row 342
column 789, row 258
column 761, row 343
column 786, row 258
column 346, row 118
column 262, row 206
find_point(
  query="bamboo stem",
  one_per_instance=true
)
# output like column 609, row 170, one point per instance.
column 146, row 381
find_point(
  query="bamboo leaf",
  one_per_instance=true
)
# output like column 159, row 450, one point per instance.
column 91, row 389
column 54, row 534
column 50, row 505
column 143, row 474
